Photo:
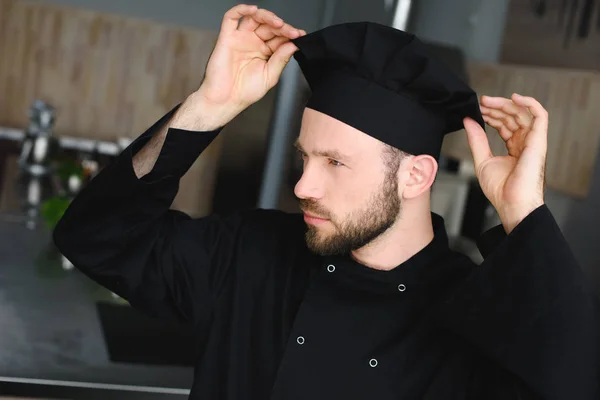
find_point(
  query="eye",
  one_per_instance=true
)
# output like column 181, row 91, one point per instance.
column 335, row 163
column 301, row 154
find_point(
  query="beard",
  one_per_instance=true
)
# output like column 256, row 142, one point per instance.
column 359, row 228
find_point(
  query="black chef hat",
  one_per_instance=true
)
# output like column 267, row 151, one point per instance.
column 383, row 82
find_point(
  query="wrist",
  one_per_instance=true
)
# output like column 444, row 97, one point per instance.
column 514, row 215
column 197, row 113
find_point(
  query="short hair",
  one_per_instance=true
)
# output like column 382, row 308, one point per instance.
column 392, row 158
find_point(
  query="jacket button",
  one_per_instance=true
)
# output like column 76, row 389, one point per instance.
column 373, row 362
column 401, row 287
column 331, row 268
column 300, row 340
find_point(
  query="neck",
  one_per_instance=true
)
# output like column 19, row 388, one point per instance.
column 411, row 233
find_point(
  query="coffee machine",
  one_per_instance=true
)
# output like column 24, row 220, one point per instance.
column 37, row 149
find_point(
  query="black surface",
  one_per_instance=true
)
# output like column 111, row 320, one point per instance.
column 474, row 219
column 133, row 337
column 49, row 324
column 452, row 56
column 237, row 189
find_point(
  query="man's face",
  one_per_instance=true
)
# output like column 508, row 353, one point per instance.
column 347, row 192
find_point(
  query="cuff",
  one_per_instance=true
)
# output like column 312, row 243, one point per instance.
column 489, row 241
column 530, row 307
column 180, row 149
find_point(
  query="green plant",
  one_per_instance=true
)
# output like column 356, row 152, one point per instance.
column 53, row 209
column 68, row 168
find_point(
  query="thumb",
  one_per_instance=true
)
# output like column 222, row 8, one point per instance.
column 278, row 61
column 478, row 142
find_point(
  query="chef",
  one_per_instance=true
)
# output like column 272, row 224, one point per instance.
column 359, row 296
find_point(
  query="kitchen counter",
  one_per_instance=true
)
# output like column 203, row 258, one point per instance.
column 53, row 334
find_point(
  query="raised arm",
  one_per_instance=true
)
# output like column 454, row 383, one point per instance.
column 528, row 306
column 119, row 230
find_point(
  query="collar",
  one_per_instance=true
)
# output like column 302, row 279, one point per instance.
column 427, row 268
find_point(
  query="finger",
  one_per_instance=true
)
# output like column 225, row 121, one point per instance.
column 494, row 102
column 248, row 24
column 276, row 42
column 262, row 16
column 267, row 17
column 278, row 61
column 509, row 121
column 520, row 114
column 537, row 138
column 478, row 142
column 536, row 142
column 231, row 19
column 539, row 113
column 499, row 125
column 266, row 32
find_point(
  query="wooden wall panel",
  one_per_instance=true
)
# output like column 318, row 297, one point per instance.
column 107, row 75
column 572, row 99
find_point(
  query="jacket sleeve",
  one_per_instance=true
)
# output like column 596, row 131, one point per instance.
column 121, row 232
column 530, row 308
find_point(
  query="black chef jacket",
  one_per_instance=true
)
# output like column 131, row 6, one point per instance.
column 274, row 321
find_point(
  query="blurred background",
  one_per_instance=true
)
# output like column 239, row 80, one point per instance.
column 79, row 79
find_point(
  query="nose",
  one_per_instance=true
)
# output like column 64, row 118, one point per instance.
column 309, row 186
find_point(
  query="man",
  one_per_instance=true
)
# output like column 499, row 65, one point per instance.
column 360, row 297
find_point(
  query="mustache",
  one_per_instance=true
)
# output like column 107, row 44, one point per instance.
column 312, row 207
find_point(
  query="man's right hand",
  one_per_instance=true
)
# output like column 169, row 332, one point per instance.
column 252, row 49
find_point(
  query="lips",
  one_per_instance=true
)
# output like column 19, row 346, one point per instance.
column 313, row 219
column 309, row 215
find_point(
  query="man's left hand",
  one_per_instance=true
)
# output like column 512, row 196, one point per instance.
column 514, row 183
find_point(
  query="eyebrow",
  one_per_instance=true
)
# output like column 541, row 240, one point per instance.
column 334, row 154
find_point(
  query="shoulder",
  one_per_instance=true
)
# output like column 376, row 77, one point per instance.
column 253, row 224
column 452, row 269
column 250, row 226
column 269, row 225
column 272, row 218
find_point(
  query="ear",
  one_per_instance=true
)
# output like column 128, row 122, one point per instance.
column 421, row 171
